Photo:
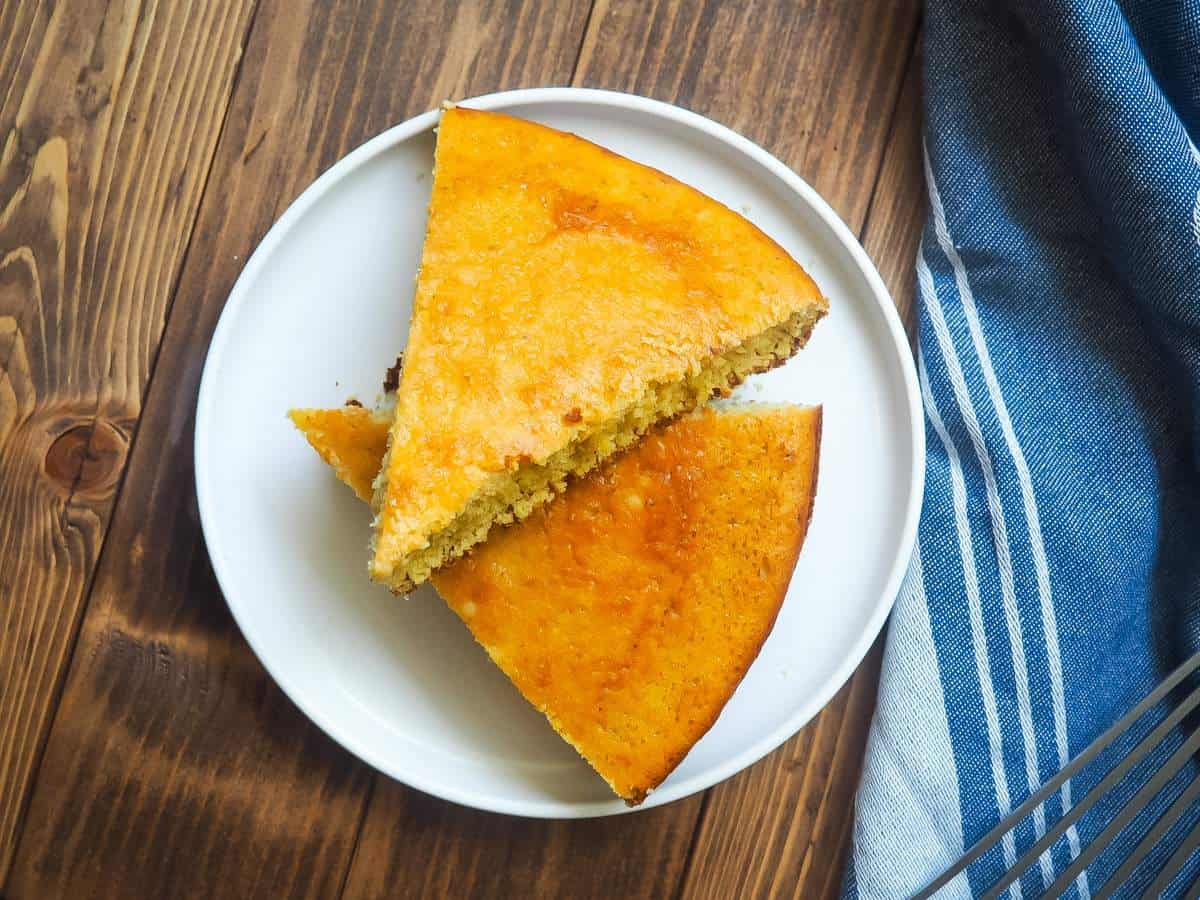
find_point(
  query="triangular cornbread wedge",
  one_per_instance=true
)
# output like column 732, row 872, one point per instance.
column 629, row 609
column 567, row 300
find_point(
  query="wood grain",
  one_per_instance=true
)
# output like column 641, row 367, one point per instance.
column 413, row 845
column 680, row 52
column 783, row 827
column 175, row 767
column 893, row 230
column 810, row 81
column 780, row 828
column 109, row 120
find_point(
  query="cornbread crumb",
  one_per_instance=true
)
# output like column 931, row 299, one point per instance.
column 391, row 379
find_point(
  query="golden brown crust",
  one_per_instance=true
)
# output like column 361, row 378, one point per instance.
column 351, row 439
column 558, row 282
column 629, row 610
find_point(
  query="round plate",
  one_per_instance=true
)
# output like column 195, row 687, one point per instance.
column 321, row 311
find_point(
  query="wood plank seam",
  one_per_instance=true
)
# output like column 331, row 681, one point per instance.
column 12, row 86
column 368, row 795
column 893, row 123
column 821, row 724
column 169, row 307
column 856, row 687
column 583, row 38
column 693, row 843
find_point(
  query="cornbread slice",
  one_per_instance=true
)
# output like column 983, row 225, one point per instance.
column 628, row 610
column 567, row 300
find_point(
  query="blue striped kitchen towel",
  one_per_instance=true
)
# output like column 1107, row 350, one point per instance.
column 1057, row 573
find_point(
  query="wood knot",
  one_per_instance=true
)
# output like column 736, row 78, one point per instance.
column 86, row 459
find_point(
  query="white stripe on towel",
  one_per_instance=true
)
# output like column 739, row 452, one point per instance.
column 991, row 714
column 910, row 774
column 1037, row 545
column 1008, row 593
column 1196, row 208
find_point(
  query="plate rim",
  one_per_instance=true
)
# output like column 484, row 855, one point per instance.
column 899, row 346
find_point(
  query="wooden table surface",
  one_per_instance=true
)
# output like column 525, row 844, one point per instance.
column 147, row 145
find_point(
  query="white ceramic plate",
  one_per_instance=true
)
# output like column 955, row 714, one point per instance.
column 321, row 311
